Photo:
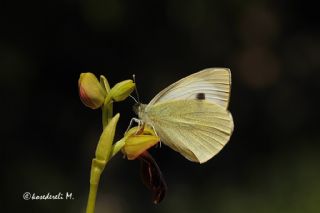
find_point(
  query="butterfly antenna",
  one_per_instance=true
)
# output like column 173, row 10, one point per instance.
column 135, row 100
column 135, row 88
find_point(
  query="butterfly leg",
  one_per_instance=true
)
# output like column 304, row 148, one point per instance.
column 138, row 121
column 155, row 132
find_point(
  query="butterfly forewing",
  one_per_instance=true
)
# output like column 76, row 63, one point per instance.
column 214, row 83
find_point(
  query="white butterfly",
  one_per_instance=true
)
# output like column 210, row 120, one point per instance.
column 191, row 115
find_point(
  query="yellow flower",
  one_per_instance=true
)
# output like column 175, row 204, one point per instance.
column 138, row 141
column 91, row 93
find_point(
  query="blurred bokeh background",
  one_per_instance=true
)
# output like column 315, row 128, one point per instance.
column 48, row 137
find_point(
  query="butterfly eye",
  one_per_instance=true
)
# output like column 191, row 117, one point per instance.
column 136, row 108
column 152, row 177
column 200, row 96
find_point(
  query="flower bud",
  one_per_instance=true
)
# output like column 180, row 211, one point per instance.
column 104, row 147
column 92, row 94
column 122, row 90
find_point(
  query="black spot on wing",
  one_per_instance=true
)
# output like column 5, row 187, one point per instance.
column 200, row 96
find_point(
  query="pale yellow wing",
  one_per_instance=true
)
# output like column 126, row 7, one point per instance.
column 213, row 84
column 198, row 129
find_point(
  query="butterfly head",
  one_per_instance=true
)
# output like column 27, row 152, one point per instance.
column 138, row 108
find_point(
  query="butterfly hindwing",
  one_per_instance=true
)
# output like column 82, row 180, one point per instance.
column 197, row 128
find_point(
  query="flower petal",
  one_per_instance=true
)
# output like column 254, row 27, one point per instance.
column 137, row 144
column 152, row 177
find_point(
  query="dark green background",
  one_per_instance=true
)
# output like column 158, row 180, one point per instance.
column 48, row 138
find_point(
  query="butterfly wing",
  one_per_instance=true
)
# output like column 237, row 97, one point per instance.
column 198, row 129
column 212, row 84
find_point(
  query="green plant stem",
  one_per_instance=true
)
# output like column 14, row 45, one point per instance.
column 98, row 166
column 92, row 198
column 107, row 111
column 107, row 114
column 118, row 146
column 96, row 169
